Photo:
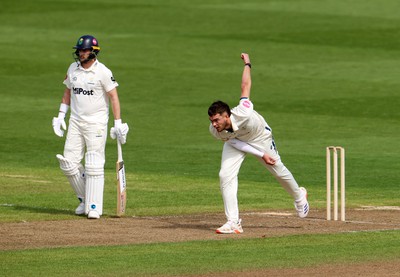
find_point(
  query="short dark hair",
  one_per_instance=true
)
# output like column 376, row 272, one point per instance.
column 218, row 107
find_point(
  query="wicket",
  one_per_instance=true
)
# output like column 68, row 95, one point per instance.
column 334, row 150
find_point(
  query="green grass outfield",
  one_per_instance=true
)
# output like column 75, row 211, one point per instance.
column 204, row 256
column 324, row 73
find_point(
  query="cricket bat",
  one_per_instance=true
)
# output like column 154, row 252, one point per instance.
column 121, row 183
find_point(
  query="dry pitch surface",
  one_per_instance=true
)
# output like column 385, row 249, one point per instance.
column 134, row 230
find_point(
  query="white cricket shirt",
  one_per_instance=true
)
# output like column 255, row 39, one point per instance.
column 89, row 87
column 248, row 125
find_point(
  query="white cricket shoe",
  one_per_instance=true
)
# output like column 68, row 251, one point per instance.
column 302, row 206
column 80, row 209
column 93, row 215
column 230, row 228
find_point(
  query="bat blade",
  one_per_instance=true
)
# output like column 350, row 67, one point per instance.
column 121, row 183
column 121, row 188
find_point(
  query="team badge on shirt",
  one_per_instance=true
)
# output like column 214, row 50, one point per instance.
column 246, row 104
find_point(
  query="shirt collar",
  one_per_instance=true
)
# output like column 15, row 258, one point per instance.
column 234, row 125
column 91, row 68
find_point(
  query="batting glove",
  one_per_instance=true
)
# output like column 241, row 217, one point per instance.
column 59, row 122
column 119, row 131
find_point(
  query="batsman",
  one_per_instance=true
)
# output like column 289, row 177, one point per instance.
column 245, row 131
column 90, row 87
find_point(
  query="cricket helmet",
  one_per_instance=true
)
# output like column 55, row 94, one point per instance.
column 87, row 42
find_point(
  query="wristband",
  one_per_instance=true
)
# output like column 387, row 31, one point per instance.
column 248, row 64
column 117, row 122
column 64, row 108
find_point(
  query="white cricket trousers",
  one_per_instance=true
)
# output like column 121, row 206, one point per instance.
column 230, row 165
column 91, row 136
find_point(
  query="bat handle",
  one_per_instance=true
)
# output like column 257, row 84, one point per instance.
column 119, row 150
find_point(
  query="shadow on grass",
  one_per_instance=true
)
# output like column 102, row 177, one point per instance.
column 43, row 210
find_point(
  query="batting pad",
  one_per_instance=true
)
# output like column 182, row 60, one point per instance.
column 75, row 174
column 94, row 182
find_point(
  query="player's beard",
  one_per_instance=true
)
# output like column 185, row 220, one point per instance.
column 223, row 126
column 85, row 58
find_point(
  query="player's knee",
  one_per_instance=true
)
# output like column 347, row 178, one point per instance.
column 224, row 174
column 69, row 167
column 94, row 163
column 225, row 177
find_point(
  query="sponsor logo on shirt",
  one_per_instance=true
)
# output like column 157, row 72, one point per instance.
column 82, row 91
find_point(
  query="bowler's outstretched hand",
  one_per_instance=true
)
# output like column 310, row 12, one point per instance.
column 245, row 57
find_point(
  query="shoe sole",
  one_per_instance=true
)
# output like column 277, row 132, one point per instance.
column 303, row 189
column 228, row 232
